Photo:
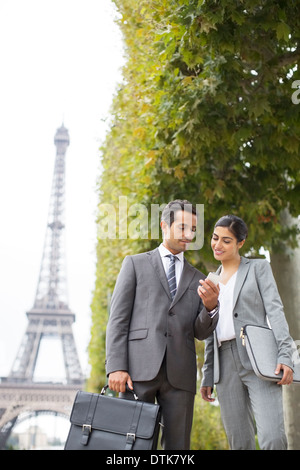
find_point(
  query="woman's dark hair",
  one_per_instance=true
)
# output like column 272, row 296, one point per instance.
column 235, row 224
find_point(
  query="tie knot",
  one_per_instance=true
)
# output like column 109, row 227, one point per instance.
column 173, row 258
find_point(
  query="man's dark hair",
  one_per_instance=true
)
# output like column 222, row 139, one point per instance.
column 168, row 214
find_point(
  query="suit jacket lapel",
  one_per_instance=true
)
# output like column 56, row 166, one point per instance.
column 185, row 280
column 155, row 259
column 240, row 279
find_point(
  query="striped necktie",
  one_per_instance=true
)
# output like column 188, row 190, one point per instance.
column 171, row 276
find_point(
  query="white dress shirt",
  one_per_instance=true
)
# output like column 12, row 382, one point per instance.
column 225, row 328
column 164, row 253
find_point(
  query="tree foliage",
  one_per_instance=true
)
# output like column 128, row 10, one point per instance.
column 205, row 109
column 204, row 112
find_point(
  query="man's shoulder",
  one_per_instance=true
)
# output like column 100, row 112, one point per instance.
column 138, row 257
column 197, row 273
column 144, row 254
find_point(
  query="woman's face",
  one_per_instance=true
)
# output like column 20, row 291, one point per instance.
column 225, row 245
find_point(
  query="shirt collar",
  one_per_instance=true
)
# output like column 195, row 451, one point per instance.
column 165, row 252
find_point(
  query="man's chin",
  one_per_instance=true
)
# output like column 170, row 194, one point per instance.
column 184, row 245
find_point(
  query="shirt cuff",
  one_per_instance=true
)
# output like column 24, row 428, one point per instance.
column 213, row 312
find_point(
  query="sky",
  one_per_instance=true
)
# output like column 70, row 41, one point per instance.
column 60, row 62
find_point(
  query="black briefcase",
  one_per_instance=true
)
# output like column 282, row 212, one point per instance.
column 100, row 422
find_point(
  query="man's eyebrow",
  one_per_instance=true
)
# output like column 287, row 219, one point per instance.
column 185, row 224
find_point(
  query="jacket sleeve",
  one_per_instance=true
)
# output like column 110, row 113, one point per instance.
column 205, row 323
column 208, row 366
column 119, row 318
column 275, row 312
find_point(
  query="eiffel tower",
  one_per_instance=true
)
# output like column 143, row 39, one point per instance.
column 50, row 316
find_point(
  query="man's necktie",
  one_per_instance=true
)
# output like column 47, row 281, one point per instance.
column 171, row 276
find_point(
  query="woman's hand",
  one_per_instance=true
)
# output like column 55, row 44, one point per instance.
column 206, row 393
column 209, row 294
column 287, row 377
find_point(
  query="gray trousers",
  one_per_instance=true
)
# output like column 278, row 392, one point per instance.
column 177, row 407
column 248, row 402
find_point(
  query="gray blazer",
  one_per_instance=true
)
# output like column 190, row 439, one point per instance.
column 255, row 299
column 145, row 324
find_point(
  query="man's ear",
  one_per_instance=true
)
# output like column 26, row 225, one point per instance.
column 164, row 227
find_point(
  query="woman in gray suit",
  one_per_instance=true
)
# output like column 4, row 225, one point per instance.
column 248, row 294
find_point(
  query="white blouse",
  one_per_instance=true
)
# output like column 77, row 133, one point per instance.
column 225, row 328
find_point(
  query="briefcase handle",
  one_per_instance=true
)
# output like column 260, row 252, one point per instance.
column 129, row 389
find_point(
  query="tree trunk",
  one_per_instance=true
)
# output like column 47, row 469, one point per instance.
column 285, row 263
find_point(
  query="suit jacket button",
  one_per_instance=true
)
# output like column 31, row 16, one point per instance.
column 236, row 315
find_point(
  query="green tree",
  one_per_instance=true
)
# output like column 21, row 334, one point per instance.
column 204, row 112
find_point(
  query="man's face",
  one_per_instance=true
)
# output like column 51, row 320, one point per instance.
column 181, row 233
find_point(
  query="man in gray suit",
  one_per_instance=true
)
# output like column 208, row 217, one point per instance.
column 155, row 316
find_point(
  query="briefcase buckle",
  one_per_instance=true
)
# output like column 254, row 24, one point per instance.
column 131, row 436
column 86, row 431
column 87, row 427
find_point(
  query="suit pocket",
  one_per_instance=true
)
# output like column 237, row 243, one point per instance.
column 138, row 334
